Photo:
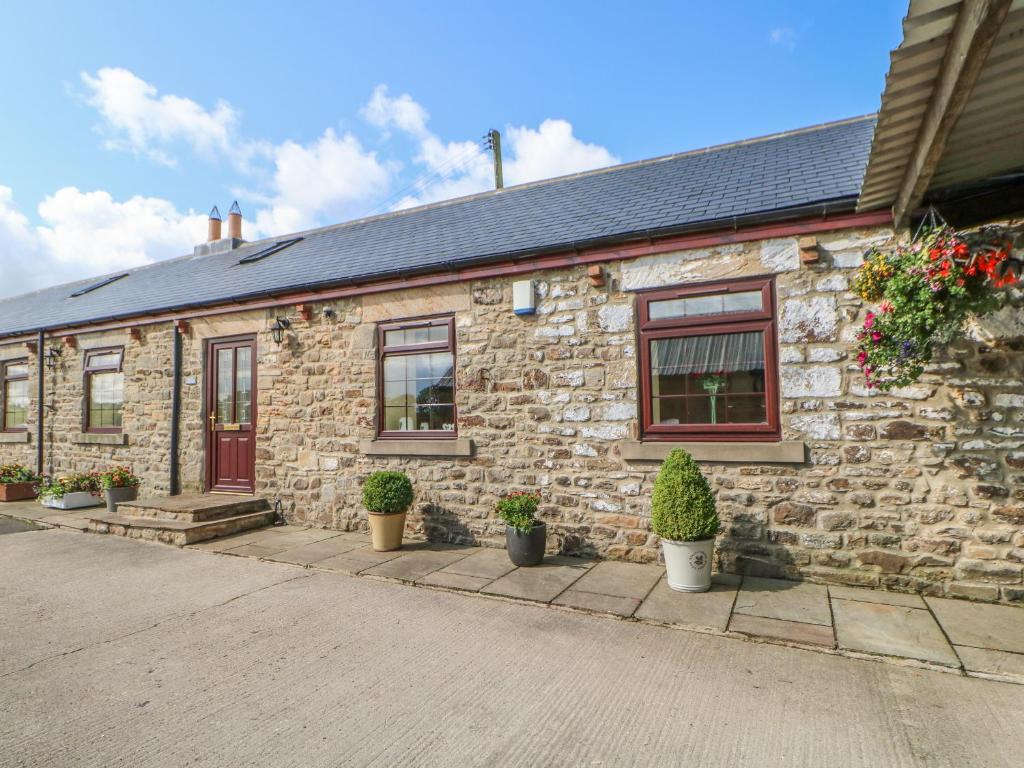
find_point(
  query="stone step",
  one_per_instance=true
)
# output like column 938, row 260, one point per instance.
column 178, row 532
column 194, row 508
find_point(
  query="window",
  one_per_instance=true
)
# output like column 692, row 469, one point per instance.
column 707, row 362
column 417, row 375
column 14, row 378
column 104, row 390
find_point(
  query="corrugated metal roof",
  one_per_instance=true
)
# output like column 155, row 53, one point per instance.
column 987, row 139
column 786, row 171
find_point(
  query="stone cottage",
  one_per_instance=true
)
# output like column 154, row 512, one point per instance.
column 565, row 335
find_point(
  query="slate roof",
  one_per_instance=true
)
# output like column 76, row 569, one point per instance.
column 823, row 164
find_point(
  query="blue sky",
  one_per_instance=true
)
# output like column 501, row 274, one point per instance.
column 123, row 123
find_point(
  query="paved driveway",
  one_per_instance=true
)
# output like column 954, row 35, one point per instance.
column 121, row 653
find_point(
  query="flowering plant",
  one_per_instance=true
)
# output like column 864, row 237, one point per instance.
column 519, row 510
column 119, row 477
column 78, row 482
column 926, row 291
column 16, row 473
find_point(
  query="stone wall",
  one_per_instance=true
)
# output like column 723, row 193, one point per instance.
column 920, row 489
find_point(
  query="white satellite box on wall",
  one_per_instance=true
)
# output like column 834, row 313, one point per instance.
column 524, row 297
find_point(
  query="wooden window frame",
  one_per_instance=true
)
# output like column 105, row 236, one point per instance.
column 384, row 351
column 5, row 378
column 763, row 321
column 87, row 374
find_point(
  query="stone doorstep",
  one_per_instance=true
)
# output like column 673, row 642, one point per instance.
column 194, row 508
column 177, row 531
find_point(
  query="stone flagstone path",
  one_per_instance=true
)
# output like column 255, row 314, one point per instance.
column 976, row 639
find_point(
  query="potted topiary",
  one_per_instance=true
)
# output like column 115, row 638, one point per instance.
column 684, row 516
column 17, row 482
column 80, row 489
column 525, row 535
column 119, row 484
column 387, row 496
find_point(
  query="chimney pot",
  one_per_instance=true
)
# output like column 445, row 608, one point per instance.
column 235, row 221
column 213, row 226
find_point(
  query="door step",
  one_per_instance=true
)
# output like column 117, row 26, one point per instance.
column 182, row 520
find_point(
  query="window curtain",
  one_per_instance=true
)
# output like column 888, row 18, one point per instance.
column 708, row 354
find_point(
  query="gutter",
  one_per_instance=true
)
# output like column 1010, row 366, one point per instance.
column 733, row 223
column 40, row 410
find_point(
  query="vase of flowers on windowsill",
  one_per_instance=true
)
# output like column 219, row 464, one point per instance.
column 17, row 482
column 684, row 516
column 74, row 491
column 525, row 535
column 119, row 485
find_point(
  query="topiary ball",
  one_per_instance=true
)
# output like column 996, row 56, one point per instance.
column 387, row 492
column 683, row 506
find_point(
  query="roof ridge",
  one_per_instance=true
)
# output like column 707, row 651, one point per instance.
column 579, row 174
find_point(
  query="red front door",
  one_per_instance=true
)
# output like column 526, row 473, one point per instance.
column 231, row 416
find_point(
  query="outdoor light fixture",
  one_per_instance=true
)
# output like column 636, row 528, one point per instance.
column 53, row 357
column 277, row 330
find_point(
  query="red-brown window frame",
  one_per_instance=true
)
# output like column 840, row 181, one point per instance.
column 762, row 320
column 87, row 373
column 4, row 380
column 410, row 349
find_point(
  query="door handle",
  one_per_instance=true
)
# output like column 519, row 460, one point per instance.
column 213, row 420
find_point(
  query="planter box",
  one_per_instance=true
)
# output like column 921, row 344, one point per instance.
column 73, row 501
column 17, row 491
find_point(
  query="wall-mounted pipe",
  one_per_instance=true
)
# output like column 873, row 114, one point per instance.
column 40, row 387
column 173, row 465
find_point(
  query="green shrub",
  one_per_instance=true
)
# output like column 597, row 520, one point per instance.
column 519, row 510
column 17, row 473
column 683, row 506
column 387, row 492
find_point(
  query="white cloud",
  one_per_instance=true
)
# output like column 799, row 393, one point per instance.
column 402, row 112
column 89, row 233
column 784, row 37
column 138, row 120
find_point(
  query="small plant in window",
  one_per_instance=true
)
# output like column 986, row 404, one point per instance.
column 712, row 384
column 926, row 291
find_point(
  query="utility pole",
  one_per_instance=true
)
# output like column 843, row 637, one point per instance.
column 493, row 139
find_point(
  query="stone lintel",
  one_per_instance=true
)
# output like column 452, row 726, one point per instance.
column 14, row 437
column 414, row 447
column 783, row 452
column 100, row 438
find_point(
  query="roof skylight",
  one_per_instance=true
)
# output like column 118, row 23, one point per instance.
column 96, row 286
column 280, row 245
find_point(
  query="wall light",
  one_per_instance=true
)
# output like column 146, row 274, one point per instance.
column 53, row 357
column 277, row 330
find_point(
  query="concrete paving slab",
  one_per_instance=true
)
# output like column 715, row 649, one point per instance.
column 784, row 600
column 259, row 550
column 356, row 560
column 891, row 630
column 307, row 554
column 486, row 563
column 591, row 601
column 414, row 565
column 449, row 580
column 980, row 625
column 542, row 583
column 572, row 562
column 26, row 510
column 1002, row 664
column 876, row 596
column 617, row 579
column 793, row 631
column 698, row 610
column 13, row 525
column 307, row 535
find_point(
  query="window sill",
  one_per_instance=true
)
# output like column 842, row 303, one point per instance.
column 414, row 447
column 14, row 437
column 783, row 452
column 100, row 438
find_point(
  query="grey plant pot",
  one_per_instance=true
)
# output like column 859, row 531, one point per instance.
column 117, row 495
column 525, row 549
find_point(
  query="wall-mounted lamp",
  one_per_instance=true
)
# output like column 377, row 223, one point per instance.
column 53, row 357
column 277, row 330
column 329, row 313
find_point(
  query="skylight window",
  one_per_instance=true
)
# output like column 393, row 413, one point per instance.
column 97, row 286
column 280, row 245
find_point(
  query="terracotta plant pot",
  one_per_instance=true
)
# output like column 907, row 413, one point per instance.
column 688, row 564
column 17, row 491
column 526, row 549
column 117, row 495
column 386, row 531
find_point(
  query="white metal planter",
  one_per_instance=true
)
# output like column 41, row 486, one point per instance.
column 688, row 564
column 75, row 500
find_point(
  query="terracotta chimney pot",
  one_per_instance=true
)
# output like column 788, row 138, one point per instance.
column 213, row 226
column 235, row 221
